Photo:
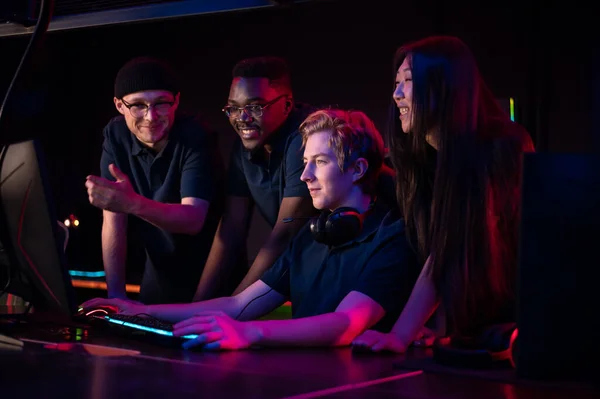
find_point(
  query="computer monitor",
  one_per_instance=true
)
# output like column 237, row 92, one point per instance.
column 559, row 267
column 29, row 232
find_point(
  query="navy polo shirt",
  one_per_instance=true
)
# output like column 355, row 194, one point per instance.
column 188, row 166
column 269, row 179
column 379, row 263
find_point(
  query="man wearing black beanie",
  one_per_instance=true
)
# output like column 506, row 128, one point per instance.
column 160, row 180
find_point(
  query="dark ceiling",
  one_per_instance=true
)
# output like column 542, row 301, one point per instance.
column 17, row 17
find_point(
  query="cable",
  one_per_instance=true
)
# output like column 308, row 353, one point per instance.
column 46, row 7
column 261, row 295
column 253, row 299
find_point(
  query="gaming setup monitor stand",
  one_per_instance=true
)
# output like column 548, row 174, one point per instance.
column 35, row 267
column 30, row 233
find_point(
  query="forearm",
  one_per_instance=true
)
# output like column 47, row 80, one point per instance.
column 331, row 329
column 174, row 218
column 421, row 305
column 220, row 261
column 114, row 254
column 178, row 312
column 266, row 257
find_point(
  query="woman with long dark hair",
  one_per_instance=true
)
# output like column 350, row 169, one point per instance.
column 457, row 157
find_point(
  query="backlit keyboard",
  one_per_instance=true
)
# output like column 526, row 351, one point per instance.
column 142, row 323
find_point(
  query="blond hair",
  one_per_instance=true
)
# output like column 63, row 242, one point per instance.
column 352, row 136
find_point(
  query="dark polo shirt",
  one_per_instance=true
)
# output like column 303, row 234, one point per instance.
column 379, row 263
column 188, row 166
column 268, row 179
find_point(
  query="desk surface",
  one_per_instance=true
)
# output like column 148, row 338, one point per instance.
column 58, row 362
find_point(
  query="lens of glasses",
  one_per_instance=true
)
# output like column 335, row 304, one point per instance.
column 253, row 110
column 140, row 110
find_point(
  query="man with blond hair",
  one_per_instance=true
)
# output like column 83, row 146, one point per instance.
column 348, row 270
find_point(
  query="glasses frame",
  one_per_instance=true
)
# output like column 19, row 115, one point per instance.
column 129, row 105
column 227, row 109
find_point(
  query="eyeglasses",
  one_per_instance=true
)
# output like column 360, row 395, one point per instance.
column 252, row 110
column 139, row 110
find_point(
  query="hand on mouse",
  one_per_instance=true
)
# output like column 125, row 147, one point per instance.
column 425, row 338
column 122, row 306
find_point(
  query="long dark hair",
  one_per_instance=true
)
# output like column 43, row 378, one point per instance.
column 461, row 201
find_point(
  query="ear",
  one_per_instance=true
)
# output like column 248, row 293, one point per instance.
column 176, row 102
column 119, row 105
column 288, row 105
column 359, row 169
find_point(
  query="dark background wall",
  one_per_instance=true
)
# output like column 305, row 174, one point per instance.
column 340, row 52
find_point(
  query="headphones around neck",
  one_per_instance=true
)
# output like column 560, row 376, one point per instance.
column 338, row 227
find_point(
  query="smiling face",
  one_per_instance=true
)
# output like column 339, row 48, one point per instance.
column 255, row 128
column 403, row 95
column 152, row 128
column 329, row 187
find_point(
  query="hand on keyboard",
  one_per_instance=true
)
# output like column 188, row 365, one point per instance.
column 216, row 331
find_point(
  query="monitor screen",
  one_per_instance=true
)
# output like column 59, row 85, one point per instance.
column 33, row 264
column 558, row 302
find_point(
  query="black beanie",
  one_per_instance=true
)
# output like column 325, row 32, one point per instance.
column 145, row 73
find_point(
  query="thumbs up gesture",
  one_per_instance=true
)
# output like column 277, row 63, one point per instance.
column 117, row 196
column 117, row 174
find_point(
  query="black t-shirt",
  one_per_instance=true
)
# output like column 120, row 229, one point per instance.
column 379, row 263
column 188, row 166
column 268, row 181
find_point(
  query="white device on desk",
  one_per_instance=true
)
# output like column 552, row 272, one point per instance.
column 7, row 342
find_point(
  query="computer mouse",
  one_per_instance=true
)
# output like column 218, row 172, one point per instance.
column 493, row 347
column 97, row 311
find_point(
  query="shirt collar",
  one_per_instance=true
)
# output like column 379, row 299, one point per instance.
column 372, row 221
column 136, row 147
